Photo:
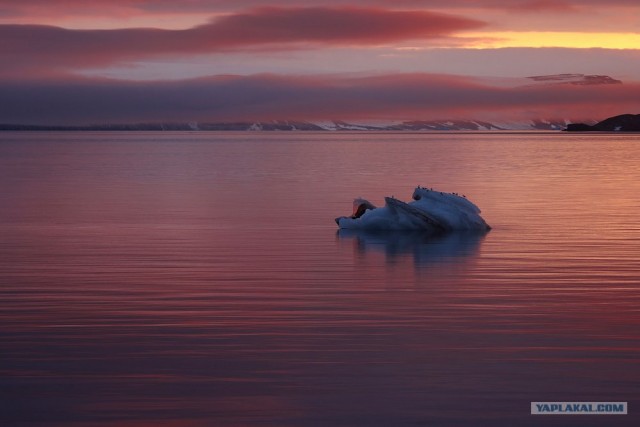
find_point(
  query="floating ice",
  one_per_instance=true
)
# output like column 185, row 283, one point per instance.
column 431, row 210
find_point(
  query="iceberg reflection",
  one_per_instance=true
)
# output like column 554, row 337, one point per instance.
column 424, row 247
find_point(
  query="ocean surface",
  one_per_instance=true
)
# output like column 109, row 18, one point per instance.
column 198, row 279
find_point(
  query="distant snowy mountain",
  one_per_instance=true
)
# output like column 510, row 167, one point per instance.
column 414, row 125
column 331, row 125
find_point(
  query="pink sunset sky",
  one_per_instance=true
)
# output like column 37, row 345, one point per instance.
column 80, row 62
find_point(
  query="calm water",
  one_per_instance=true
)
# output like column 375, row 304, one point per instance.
column 198, row 279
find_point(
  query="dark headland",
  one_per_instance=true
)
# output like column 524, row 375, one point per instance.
column 621, row 123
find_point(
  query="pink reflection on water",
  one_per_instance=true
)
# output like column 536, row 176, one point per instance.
column 147, row 283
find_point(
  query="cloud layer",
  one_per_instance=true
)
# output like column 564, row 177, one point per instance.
column 32, row 48
column 267, row 97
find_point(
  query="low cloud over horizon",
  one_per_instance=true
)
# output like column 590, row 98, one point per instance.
column 416, row 96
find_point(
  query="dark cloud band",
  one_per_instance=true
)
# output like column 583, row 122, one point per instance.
column 266, row 97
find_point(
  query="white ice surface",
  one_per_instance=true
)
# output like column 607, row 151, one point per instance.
column 450, row 212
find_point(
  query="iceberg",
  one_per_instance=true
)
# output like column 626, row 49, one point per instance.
column 431, row 210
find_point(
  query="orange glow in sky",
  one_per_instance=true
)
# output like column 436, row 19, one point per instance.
column 536, row 39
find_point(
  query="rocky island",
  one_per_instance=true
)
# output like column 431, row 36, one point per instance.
column 621, row 123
